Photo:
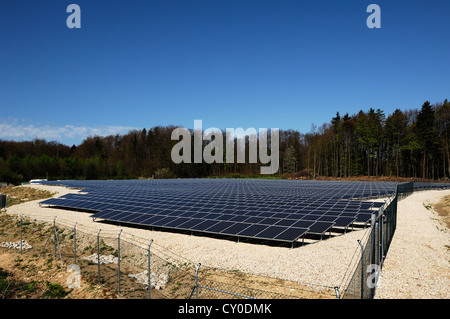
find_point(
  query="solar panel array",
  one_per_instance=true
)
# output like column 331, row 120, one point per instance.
column 276, row 210
column 430, row 186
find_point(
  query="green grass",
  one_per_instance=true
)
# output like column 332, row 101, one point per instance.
column 55, row 290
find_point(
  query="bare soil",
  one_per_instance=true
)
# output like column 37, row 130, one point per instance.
column 33, row 269
column 443, row 210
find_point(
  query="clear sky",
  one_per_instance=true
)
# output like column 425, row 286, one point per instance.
column 231, row 63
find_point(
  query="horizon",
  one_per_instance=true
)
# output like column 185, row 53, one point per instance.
column 121, row 131
column 289, row 65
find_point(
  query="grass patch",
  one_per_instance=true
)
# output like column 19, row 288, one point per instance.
column 55, row 290
column 443, row 210
column 21, row 194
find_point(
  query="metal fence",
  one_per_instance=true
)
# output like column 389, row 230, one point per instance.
column 405, row 189
column 123, row 265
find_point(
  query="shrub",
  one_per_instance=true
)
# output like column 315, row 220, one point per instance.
column 164, row 173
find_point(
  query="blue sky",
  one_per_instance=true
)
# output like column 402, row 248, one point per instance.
column 230, row 63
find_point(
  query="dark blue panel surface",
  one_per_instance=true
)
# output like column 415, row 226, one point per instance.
column 291, row 234
column 271, row 209
column 252, row 230
column 271, row 232
column 204, row 225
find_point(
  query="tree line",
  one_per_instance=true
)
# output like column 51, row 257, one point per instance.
column 410, row 143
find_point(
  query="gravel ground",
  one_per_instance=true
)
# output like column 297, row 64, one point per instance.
column 417, row 264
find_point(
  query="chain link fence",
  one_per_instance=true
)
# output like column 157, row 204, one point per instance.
column 374, row 247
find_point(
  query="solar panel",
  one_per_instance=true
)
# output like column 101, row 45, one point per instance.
column 327, row 218
column 286, row 222
column 190, row 223
column 177, row 222
column 239, row 218
column 291, row 234
column 277, row 210
column 139, row 219
column 235, row 228
column 252, row 230
column 271, row 232
column 219, row 227
column 320, row 228
column 344, row 221
column 152, row 220
column 303, row 223
column 204, row 224
column 50, row 201
column 363, row 218
column 163, row 221
column 105, row 214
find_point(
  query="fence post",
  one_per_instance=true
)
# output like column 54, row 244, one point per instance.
column 118, row 263
column 21, row 234
column 195, row 282
column 148, row 270
column 75, row 243
column 54, row 232
column 362, row 269
column 373, row 247
column 337, row 292
column 380, row 238
column 58, row 245
column 372, row 234
column 98, row 256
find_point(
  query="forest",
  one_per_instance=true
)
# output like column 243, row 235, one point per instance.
column 411, row 143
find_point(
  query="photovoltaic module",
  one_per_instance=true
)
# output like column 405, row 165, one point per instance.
column 275, row 210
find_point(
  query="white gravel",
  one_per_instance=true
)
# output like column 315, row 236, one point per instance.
column 416, row 266
column 15, row 245
column 418, row 262
column 157, row 281
column 104, row 259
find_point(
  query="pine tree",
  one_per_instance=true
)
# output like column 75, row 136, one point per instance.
column 427, row 134
column 443, row 126
column 396, row 125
